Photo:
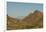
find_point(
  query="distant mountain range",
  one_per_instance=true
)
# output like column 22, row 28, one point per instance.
column 33, row 20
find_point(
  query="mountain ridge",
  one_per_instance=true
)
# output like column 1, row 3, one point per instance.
column 32, row 20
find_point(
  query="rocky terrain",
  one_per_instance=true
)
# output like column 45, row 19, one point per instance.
column 32, row 21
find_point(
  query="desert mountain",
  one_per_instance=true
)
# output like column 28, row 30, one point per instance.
column 36, row 16
column 34, row 20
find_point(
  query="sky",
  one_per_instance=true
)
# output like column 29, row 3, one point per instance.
column 19, row 9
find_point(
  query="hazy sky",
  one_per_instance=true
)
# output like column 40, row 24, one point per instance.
column 16, row 9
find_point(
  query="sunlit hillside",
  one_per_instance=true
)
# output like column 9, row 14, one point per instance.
column 32, row 21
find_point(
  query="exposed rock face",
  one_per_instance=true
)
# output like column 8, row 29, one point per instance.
column 33, row 17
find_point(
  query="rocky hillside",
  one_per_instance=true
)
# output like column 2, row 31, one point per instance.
column 34, row 20
column 35, row 17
